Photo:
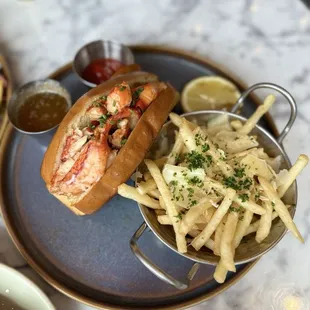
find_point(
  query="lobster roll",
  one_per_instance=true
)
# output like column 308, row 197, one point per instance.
column 104, row 137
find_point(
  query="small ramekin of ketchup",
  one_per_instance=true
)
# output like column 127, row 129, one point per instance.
column 97, row 61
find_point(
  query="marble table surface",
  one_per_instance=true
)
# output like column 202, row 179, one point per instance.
column 259, row 40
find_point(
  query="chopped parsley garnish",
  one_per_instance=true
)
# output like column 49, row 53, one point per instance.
column 173, row 183
column 237, row 185
column 136, row 94
column 102, row 119
column 209, row 159
column 179, row 216
column 194, row 160
column 174, row 174
column 177, row 158
column 231, row 182
column 122, row 88
column 273, row 204
column 205, row 147
column 239, row 173
column 244, row 197
column 92, row 126
column 112, row 122
column 195, row 181
column 96, row 103
column 246, row 183
column 176, row 192
column 234, row 209
column 198, row 138
column 190, row 192
column 123, row 141
column 193, row 203
column 257, row 196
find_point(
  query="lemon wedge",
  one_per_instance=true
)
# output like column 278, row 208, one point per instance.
column 208, row 93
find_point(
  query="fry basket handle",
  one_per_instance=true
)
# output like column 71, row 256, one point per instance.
column 279, row 89
column 158, row 272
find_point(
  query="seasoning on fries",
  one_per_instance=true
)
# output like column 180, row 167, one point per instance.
column 217, row 186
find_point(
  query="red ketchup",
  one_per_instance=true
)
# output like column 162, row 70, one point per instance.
column 100, row 70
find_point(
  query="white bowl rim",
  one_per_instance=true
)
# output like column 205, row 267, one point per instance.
column 28, row 282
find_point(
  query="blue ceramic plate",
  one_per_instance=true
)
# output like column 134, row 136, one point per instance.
column 89, row 258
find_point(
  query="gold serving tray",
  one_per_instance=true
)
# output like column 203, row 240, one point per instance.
column 4, row 68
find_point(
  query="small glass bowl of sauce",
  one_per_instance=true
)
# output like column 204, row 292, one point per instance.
column 96, row 61
column 38, row 107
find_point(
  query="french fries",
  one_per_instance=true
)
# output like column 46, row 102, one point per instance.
column 300, row 164
column 164, row 219
column 251, row 205
column 211, row 185
column 147, row 176
column 240, row 231
column 280, row 208
column 226, row 247
column 154, row 193
column 218, row 237
column 236, row 124
column 220, row 272
column 170, row 206
column 233, row 142
column 209, row 214
column 192, row 216
column 145, row 187
column 132, row 193
column 162, row 203
column 260, row 111
column 160, row 212
column 264, row 223
column 213, row 152
column 242, row 227
column 176, row 150
column 254, row 226
column 209, row 244
column 185, row 131
column 199, row 241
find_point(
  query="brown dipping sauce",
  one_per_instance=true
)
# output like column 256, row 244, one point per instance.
column 42, row 111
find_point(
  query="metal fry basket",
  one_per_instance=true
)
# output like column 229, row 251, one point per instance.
column 249, row 249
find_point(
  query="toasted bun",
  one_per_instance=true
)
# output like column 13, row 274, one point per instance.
column 129, row 156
